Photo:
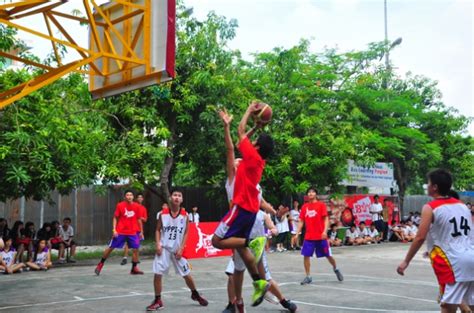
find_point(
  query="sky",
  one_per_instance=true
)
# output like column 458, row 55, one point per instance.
column 437, row 34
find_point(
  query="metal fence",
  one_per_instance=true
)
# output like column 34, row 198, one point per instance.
column 92, row 213
column 415, row 203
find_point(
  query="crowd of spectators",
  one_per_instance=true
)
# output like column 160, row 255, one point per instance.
column 22, row 247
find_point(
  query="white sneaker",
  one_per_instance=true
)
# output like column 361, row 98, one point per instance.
column 271, row 298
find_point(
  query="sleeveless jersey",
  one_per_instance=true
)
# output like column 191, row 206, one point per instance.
column 173, row 229
column 7, row 257
column 42, row 257
column 452, row 249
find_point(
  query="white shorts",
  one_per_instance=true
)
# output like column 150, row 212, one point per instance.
column 161, row 264
column 459, row 292
column 237, row 264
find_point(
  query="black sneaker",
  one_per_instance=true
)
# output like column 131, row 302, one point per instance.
column 230, row 308
column 307, row 280
column 124, row 261
column 290, row 306
column 339, row 275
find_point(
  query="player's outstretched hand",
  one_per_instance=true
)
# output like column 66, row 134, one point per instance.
column 402, row 267
column 225, row 117
column 159, row 249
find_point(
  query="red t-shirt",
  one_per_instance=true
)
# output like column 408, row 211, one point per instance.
column 313, row 215
column 127, row 215
column 247, row 177
column 143, row 213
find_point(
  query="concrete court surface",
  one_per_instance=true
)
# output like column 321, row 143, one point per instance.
column 371, row 285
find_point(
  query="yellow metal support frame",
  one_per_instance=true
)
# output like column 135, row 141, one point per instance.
column 11, row 13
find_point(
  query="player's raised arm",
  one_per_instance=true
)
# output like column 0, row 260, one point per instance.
column 227, row 119
column 243, row 122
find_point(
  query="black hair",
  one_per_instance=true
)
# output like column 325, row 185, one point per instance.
column 376, row 197
column 441, row 178
column 453, row 194
column 139, row 194
column 67, row 219
column 333, row 225
column 361, row 223
column 266, row 144
column 312, row 188
column 46, row 225
column 7, row 237
column 176, row 189
column 127, row 191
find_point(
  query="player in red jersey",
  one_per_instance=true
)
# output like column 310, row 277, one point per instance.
column 314, row 216
column 126, row 228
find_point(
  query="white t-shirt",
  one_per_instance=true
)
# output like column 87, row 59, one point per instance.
column 193, row 217
column 332, row 235
column 295, row 215
column 376, row 210
column 41, row 257
column 412, row 230
column 363, row 233
column 65, row 234
column 7, row 257
column 352, row 235
column 282, row 225
column 373, row 233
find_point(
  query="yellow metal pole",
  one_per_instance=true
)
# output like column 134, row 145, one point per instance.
column 147, row 36
column 50, row 32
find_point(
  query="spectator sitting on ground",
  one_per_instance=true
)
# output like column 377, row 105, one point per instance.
column 352, row 236
column 67, row 233
column 364, row 234
column 374, row 234
column 332, row 236
column 417, row 219
column 7, row 258
column 398, row 231
column 42, row 259
column 45, row 233
column 56, row 239
column 410, row 230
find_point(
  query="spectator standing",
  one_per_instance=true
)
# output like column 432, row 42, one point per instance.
column 67, row 234
column 194, row 215
column 376, row 210
column 295, row 217
column 283, row 229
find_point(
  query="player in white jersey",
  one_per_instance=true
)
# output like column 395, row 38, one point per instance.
column 7, row 258
column 42, row 259
column 171, row 235
column 447, row 221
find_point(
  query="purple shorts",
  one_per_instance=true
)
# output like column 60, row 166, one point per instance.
column 320, row 247
column 236, row 223
column 133, row 241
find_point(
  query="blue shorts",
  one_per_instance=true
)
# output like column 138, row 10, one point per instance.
column 237, row 222
column 133, row 241
column 319, row 247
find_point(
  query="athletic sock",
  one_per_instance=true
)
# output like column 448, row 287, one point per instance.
column 157, row 297
column 255, row 277
column 134, row 264
column 247, row 242
column 102, row 260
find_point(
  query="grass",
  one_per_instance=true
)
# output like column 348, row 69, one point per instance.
column 147, row 248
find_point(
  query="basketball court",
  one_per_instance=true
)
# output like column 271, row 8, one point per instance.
column 370, row 285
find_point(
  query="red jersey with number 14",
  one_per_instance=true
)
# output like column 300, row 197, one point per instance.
column 127, row 215
column 313, row 215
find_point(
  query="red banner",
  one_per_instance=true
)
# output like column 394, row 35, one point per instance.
column 353, row 209
column 199, row 244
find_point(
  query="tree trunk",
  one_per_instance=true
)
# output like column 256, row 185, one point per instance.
column 401, row 179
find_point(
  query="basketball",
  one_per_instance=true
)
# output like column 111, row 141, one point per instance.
column 263, row 115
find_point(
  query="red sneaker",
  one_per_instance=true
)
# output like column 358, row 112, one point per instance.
column 155, row 306
column 199, row 299
column 99, row 268
column 136, row 271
